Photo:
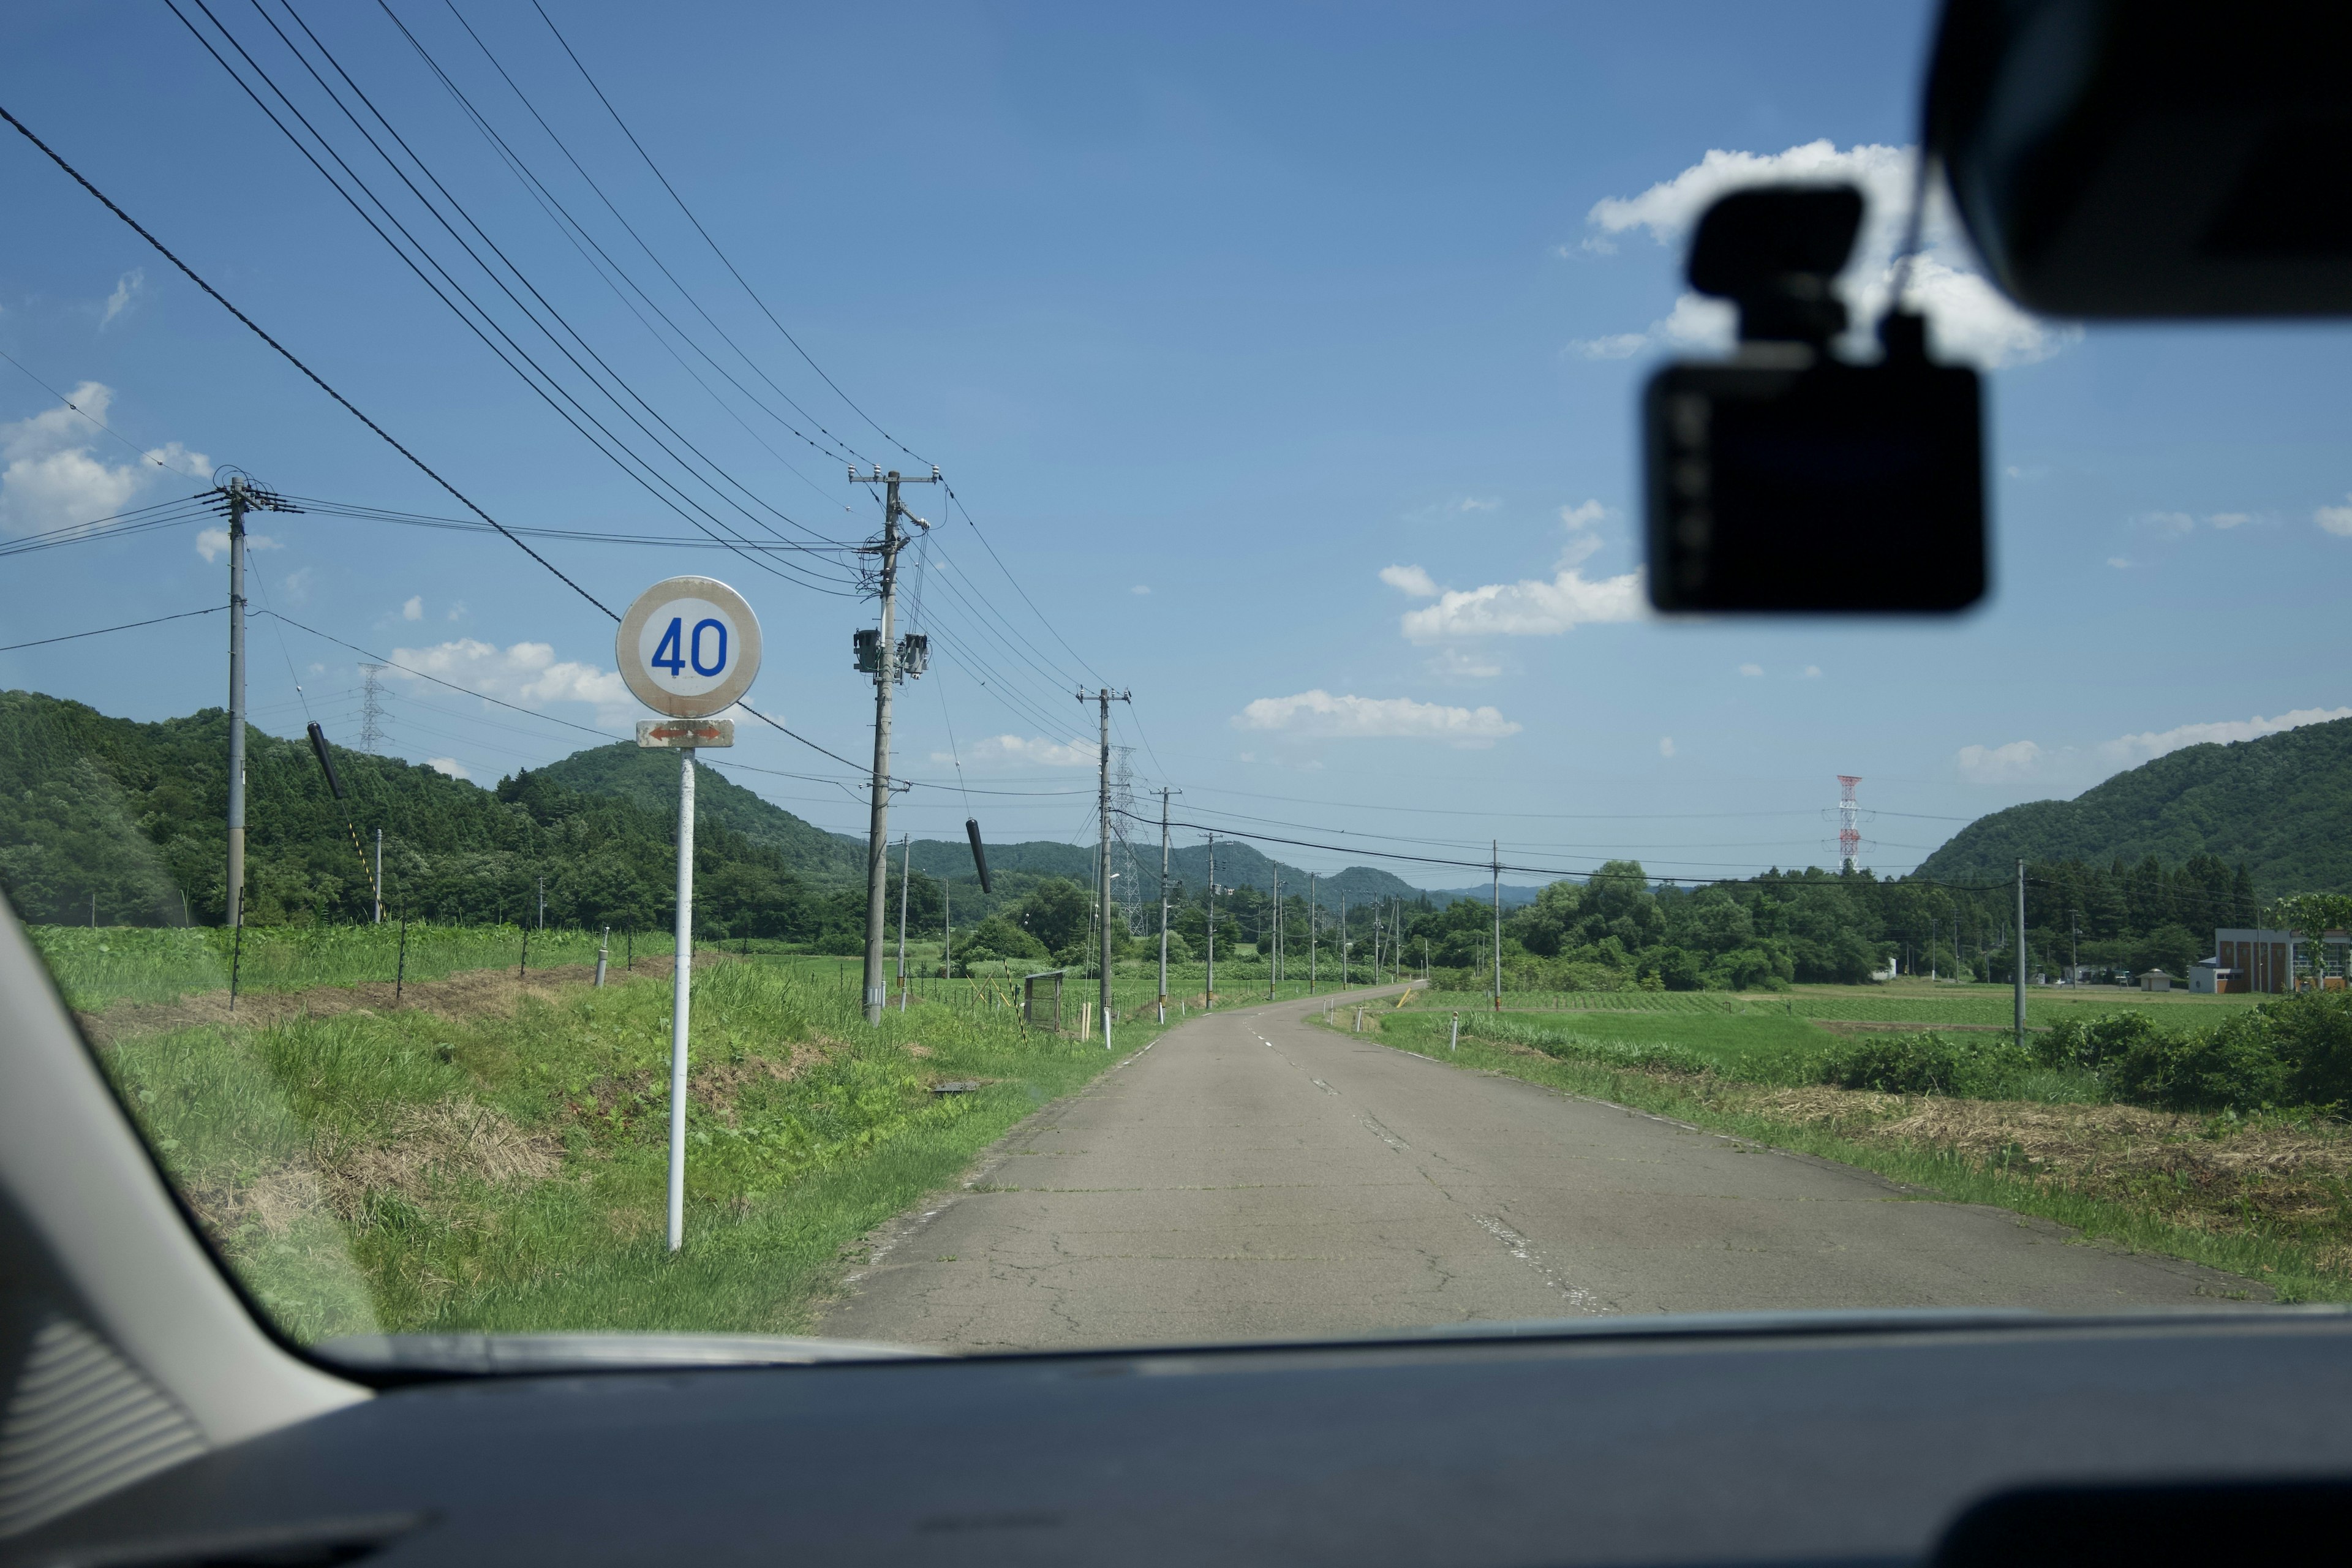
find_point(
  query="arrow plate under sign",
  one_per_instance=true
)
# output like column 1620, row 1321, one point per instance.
column 678, row 732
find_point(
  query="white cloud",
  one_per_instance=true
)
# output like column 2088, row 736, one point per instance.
column 413, row 610
column 1141, row 588
column 1616, row 345
column 1665, row 745
column 1582, row 515
column 1528, row 607
column 1968, row 318
column 1751, row 670
column 1477, row 503
column 127, row 290
column 297, row 584
column 2129, row 750
column 1318, row 713
column 1412, row 580
column 211, row 543
column 1813, row 672
column 525, row 672
column 1998, row 765
column 2335, row 520
column 1454, row 664
column 2170, row 524
column 450, row 766
column 995, row 749
column 2120, row 563
column 53, row 475
column 2229, row 519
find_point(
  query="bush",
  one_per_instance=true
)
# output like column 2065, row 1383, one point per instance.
column 2312, row 1035
column 1981, row 1067
column 2233, row 1066
column 2091, row 1044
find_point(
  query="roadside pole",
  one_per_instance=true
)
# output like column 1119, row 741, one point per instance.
column 2020, row 954
column 1209, row 990
column 1164, row 794
column 379, row 876
column 1311, row 912
column 890, row 659
column 681, row 987
column 1499, row 925
column 688, row 647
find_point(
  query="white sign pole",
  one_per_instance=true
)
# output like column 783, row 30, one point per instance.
column 681, row 988
column 688, row 647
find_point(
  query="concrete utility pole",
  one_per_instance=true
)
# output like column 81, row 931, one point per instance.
column 1499, row 925
column 1343, row 941
column 1102, row 700
column 2020, row 953
column 1164, row 792
column 1311, row 912
column 240, row 495
column 1274, row 951
column 1208, row 989
column 890, row 662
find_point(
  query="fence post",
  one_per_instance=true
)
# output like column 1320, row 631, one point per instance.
column 603, row 954
column 1456, row 1044
column 400, row 970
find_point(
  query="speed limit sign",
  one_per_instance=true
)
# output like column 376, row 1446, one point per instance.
column 688, row 647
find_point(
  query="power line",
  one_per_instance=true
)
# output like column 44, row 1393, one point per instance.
column 553, row 388
column 715, row 250
column 102, row 631
column 287, row 355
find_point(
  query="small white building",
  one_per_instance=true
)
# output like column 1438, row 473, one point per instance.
column 2155, row 980
column 2211, row 977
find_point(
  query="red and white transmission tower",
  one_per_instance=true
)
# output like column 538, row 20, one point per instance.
column 1849, row 824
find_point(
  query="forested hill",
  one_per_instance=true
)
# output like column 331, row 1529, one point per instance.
column 648, row 778
column 2283, row 804
column 1238, row 866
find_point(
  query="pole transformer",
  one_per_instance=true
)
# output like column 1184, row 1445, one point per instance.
column 238, row 496
column 889, row 660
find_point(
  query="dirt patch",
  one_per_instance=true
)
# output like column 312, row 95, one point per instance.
column 716, row 1086
column 479, row 992
column 431, row 1143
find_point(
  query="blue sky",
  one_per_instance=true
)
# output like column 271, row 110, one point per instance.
column 1287, row 357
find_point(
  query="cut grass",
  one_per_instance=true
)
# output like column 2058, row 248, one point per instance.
column 2270, row 1201
column 504, row 1167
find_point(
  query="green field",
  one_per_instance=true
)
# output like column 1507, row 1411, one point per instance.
column 1900, row 1002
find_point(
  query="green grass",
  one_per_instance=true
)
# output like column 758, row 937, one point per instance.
column 99, row 966
column 1897, row 1003
column 412, row 1171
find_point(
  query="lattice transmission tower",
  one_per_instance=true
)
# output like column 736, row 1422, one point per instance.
column 1849, row 824
column 372, row 708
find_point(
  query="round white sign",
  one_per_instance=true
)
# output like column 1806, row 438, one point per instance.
column 689, row 647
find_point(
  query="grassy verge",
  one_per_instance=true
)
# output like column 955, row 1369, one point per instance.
column 2269, row 1199
column 99, row 966
column 496, row 1159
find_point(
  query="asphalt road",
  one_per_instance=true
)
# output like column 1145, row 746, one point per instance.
column 1252, row 1176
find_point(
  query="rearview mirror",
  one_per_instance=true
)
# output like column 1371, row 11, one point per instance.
column 2150, row 161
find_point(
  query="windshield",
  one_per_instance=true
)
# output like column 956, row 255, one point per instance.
column 1089, row 568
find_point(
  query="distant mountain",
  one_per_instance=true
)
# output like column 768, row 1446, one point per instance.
column 1238, row 866
column 2282, row 803
column 1514, row 897
column 648, row 778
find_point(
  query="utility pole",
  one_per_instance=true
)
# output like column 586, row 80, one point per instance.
column 379, row 876
column 240, row 495
column 1102, row 700
column 1312, row 910
column 1343, row 941
column 1164, row 792
column 2020, row 954
column 1208, row 989
column 542, row 903
column 890, row 661
column 906, row 881
column 1499, row 925
column 1274, row 951
column 2075, row 950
